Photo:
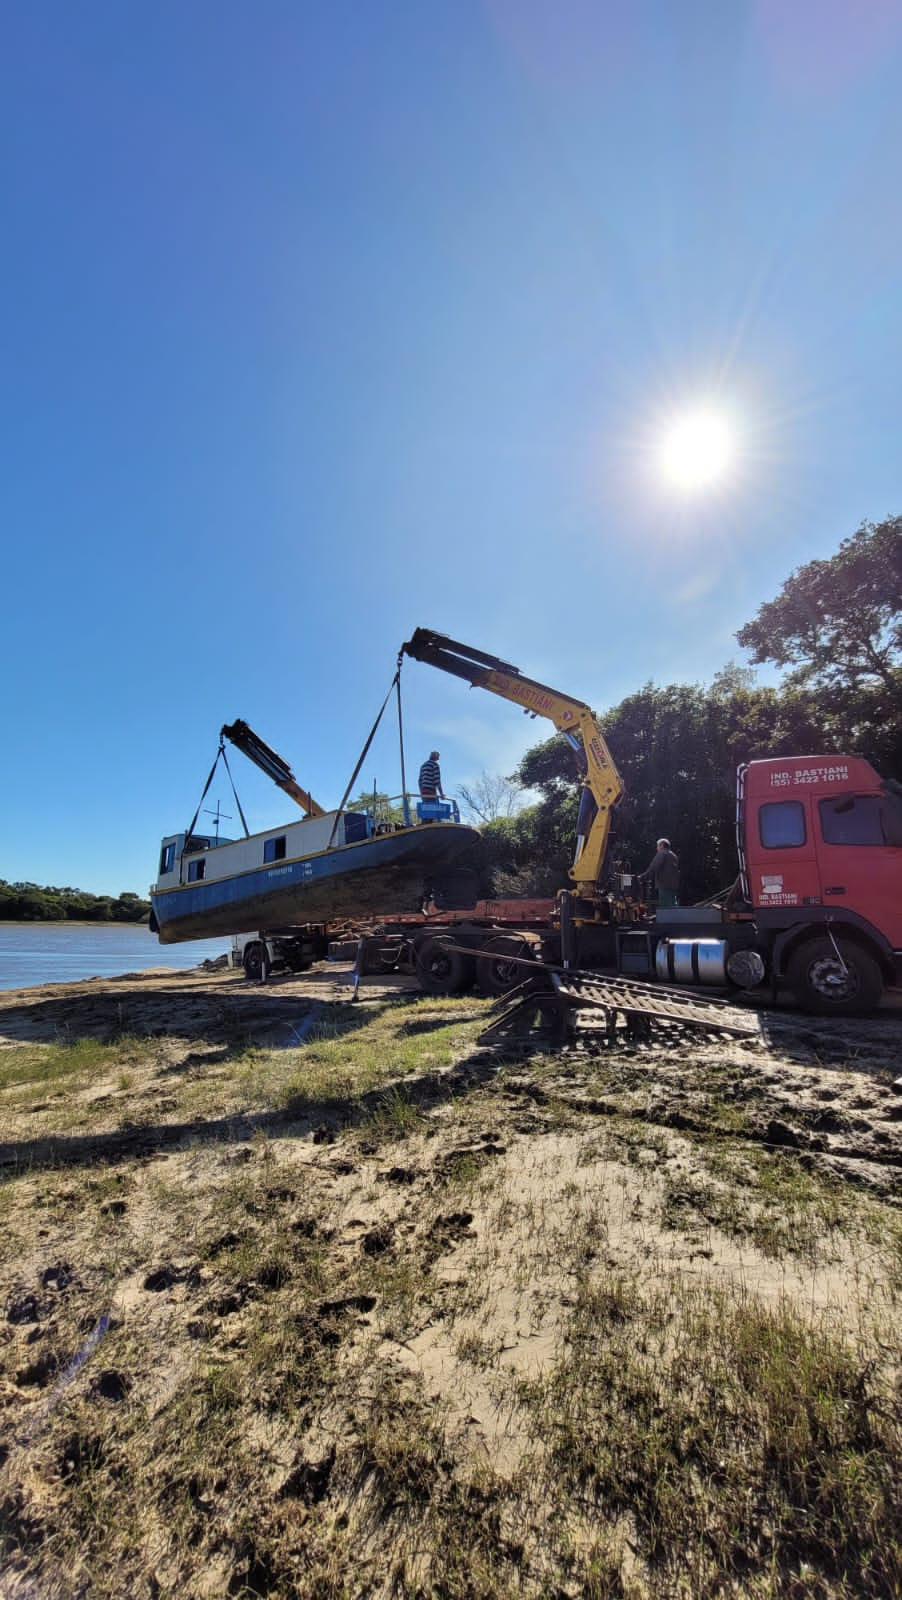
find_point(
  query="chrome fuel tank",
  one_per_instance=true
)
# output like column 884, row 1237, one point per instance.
column 692, row 961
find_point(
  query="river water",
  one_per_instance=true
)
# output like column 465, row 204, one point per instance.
column 63, row 952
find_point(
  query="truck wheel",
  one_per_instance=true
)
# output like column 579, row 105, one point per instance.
column 442, row 969
column 821, row 986
column 256, row 962
column 496, row 972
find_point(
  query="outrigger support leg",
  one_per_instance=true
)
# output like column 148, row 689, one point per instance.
column 357, row 969
column 531, row 1016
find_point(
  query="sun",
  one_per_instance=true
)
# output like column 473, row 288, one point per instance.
column 697, row 451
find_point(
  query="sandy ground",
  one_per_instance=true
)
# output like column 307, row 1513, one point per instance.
column 609, row 1158
column 825, row 1086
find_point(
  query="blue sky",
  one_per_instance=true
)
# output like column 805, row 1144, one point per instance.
column 324, row 321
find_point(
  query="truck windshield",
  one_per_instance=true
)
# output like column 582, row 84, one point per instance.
column 891, row 812
column 862, row 819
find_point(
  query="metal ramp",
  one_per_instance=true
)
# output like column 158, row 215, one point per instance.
column 563, row 1008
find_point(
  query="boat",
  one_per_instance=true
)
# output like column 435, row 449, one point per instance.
column 324, row 867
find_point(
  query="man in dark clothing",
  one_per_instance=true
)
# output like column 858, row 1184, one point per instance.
column 664, row 871
column 431, row 778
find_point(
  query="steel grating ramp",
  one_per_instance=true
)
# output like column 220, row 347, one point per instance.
column 558, row 1007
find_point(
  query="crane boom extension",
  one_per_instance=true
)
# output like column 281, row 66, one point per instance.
column 251, row 745
column 573, row 718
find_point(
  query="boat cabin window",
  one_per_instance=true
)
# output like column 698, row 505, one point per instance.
column 167, row 858
column 196, row 869
column 860, row 819
column 781, row 824
column 274, row 849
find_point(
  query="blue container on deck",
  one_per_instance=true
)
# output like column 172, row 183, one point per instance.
column 437, row 811
column 357, row 826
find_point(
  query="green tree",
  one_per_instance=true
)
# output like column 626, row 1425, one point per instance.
column 836, row 624
column 28, row 902
column 128, row 907
column 379, row 804
column 529, row 853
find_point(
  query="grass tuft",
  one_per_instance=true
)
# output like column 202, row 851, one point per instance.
column 744, row 1443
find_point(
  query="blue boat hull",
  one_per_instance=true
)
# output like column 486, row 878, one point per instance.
column 390, row 874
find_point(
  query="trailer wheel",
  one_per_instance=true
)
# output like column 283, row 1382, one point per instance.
column 820, row 985
column 496, row 971
column 257, row 964
column 441, row 969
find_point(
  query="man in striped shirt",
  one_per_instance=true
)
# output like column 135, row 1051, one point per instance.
column 431, row 778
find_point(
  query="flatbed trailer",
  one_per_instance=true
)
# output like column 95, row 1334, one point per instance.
column 834, row 964
column 389, row 942
column 494, row 946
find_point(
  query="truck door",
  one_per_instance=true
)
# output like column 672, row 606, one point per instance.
column 781, row 853
column 859, row 849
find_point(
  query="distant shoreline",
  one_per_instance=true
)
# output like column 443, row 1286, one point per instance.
column 69, row 922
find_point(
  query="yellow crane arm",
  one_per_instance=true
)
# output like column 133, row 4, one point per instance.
column 571, row 717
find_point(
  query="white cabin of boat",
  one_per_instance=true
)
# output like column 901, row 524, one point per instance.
column 201, row 859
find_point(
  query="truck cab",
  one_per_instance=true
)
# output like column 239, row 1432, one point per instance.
column 820, row 847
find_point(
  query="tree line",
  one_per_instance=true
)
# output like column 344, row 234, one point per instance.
column 30, row 902
column 835, row 630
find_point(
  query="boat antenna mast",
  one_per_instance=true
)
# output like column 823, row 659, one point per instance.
column 218, row 816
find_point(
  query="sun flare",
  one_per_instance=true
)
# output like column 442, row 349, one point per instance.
column 697, row 451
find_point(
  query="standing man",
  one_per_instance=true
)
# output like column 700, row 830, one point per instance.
column 664, row 871
column 431, row 778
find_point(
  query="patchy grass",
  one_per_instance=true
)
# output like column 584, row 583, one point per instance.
column 354, row 1051
column 435, row 1329
column 775, row 1212
column 767, row 1199
column 66, row 1065
column 747, row 1446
